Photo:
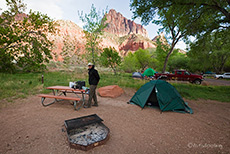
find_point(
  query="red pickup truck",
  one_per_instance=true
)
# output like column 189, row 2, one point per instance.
column 182, row 76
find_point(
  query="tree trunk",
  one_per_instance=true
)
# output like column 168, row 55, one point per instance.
column 167, row 58
column 114, row 69
column 93, row 56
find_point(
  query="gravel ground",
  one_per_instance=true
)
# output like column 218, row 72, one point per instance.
column 207, row 82
column 28, row 127
column 218, row 82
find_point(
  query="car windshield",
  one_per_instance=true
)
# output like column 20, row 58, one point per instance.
column 187, row 73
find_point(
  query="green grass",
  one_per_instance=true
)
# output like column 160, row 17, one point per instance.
column 21, row 85
column 190, row 91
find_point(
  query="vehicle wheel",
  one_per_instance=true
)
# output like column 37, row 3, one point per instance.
column 220, row 77
column 197, row 82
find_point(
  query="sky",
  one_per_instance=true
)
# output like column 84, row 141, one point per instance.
column 68, row 10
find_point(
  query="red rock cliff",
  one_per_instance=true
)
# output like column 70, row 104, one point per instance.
column 121, row 26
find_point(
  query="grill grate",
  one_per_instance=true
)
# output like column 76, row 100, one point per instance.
column 82, row 121
column 86, row 132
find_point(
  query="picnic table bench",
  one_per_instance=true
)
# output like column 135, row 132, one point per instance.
column 78, row 101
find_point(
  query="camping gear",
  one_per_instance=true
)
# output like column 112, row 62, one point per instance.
column 161, row 94
column 77, row 84
column 137, row 75
column 149, row 72
column 71, row 84
column 86, row 132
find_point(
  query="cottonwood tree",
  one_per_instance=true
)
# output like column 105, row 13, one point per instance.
column 213, row 50
column 183, row 18
column 168, row 21
column 206, row 15
column 94, row 23
column 24, row 41
column 110, row 58
column 139, row 60
column 143, row 59
column 129, row 63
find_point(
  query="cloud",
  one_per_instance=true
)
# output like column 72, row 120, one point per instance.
column 3, row 5
column 49, row 7
column 181, row 45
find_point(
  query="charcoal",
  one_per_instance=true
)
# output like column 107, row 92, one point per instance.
column 88, row 134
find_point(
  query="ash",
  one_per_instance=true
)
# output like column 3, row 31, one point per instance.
column 89, row 134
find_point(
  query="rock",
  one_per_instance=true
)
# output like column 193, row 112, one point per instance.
column 121, row 26
column 133, row 43
column 110, row 91
column 70, row 33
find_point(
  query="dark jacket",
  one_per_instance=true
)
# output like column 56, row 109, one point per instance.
column 93, row 76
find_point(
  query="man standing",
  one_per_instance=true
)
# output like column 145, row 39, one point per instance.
column 93, row 81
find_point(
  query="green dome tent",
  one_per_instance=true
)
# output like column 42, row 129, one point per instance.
column 160, row 94
column 149, row 72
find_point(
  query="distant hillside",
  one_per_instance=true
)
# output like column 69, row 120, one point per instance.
column 121, row 33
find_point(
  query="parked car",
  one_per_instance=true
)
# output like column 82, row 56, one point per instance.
column 208, row 73
column 182, row 76
column 223, row 76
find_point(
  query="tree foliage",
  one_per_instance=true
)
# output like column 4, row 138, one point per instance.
column 110, row 58
column 205, row 15
column 129, row 63
column 94, row 23
column 176, row 59
column 213, row 50
column 24, row 41
column 143, row 59
column 183, row 18
column 138, row 61
column 168, row 19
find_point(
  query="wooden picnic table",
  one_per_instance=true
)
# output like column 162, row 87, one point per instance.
column 60, row 94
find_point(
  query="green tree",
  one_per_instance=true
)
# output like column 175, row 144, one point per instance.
column 139, row 61
column 184, row 18
column 167, row 19
column 213, row 50
column 178, row 61
column 143, row 59
column 24, row 41
column 110, row 58
column 129, row 64
column 205, row 16
column 93, row 29
column 161, row 53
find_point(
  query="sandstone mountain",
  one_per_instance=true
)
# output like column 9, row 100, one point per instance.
column 68, row 41
column 121, row 33
column 121, row 26
column 125, row 34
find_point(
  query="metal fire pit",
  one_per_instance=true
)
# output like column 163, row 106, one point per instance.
column 86, row 132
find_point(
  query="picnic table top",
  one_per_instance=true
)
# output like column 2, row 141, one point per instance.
column 64, row 88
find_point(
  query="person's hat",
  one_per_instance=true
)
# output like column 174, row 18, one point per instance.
column 90, row 64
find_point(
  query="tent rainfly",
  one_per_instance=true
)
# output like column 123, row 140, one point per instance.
column 136, row 75
column 149, row 72
column 161, row 94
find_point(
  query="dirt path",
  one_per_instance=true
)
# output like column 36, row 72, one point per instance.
column 218, row 82
column 28, row 127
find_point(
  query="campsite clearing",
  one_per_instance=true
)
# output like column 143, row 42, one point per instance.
column 26, row 126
